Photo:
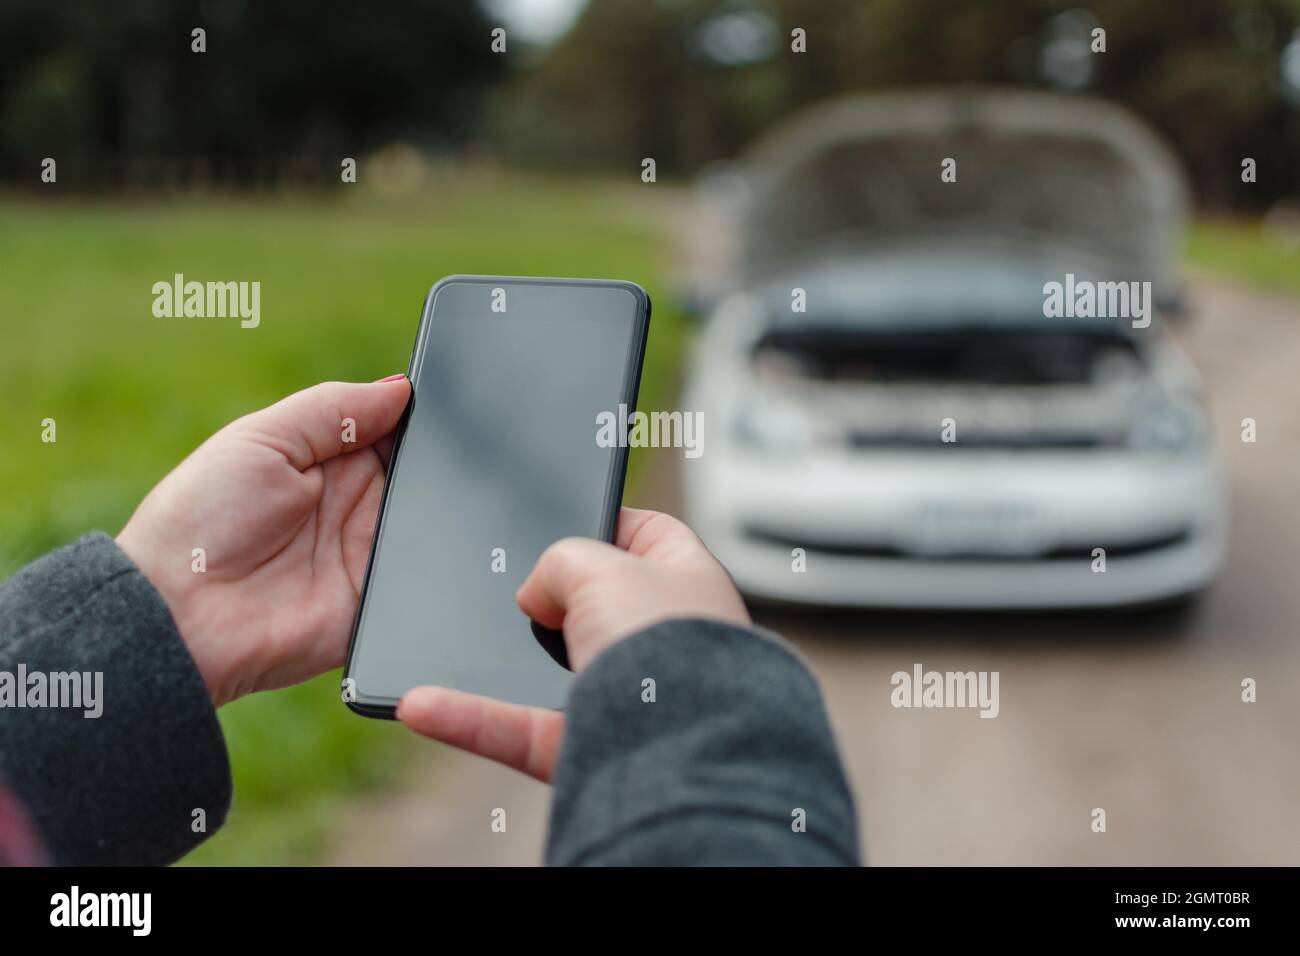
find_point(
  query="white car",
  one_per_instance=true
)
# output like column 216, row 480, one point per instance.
column 922, row 435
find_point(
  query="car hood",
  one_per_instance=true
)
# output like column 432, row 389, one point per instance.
column 864, row 174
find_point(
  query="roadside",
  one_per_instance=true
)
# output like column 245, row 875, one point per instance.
column 1139, row 714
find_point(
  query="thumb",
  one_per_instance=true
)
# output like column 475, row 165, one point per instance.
column 326, row 420
column 562, row 569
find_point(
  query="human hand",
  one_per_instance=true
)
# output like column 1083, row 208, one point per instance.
column 599, row 594
column 284, row 508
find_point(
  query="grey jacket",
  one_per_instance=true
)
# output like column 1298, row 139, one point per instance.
column 731, row 762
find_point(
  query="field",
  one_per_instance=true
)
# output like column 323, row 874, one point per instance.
column 1267, row 260
column 342, row 280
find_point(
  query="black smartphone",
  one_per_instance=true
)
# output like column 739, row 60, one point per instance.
column 499, row 455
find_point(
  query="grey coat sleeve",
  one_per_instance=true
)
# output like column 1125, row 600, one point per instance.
column 115, row 774
column 732, row 762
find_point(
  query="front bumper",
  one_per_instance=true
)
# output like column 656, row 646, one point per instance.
column 959, row 529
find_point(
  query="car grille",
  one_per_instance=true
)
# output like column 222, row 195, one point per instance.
column 885, row 550
column 914, row 442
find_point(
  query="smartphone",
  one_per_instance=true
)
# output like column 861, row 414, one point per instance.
column 498, row 456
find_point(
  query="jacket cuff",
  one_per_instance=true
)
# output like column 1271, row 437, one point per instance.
column 137, row 771
column 697, row 741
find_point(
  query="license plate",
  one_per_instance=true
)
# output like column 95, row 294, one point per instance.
column 996, row 528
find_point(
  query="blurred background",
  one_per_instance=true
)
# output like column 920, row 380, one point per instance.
column 225, row 164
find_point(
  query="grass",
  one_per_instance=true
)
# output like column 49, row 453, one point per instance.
column 343, row 276
column 1248, row 252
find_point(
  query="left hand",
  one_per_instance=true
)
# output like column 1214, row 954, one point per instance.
column 284, row 509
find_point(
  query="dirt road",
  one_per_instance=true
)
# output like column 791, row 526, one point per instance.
column 1138, row 714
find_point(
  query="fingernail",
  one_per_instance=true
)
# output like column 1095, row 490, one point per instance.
column 392, row 378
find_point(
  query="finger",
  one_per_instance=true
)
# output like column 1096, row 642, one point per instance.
column 560, row 571
column 654, row 534
column 526, row 739
column 326, row 420
column 384, row 449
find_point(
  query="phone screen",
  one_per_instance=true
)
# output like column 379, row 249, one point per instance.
column 498, row 458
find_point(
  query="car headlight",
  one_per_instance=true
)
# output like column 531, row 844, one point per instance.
column 772, row 426
column 1176, row 425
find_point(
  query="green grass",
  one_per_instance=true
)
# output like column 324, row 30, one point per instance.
column 1248, row 252
column 342, row 279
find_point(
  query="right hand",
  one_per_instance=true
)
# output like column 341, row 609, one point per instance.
column 598, row 594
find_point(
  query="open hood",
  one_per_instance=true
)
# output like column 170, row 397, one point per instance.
column 862, row 174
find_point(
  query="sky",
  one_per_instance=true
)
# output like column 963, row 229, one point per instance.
column 536, row 21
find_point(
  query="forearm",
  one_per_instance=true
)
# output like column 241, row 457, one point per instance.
column 110, row 741
column 698, row 742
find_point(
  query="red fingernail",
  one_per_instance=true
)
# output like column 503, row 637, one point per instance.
column 392, row 378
